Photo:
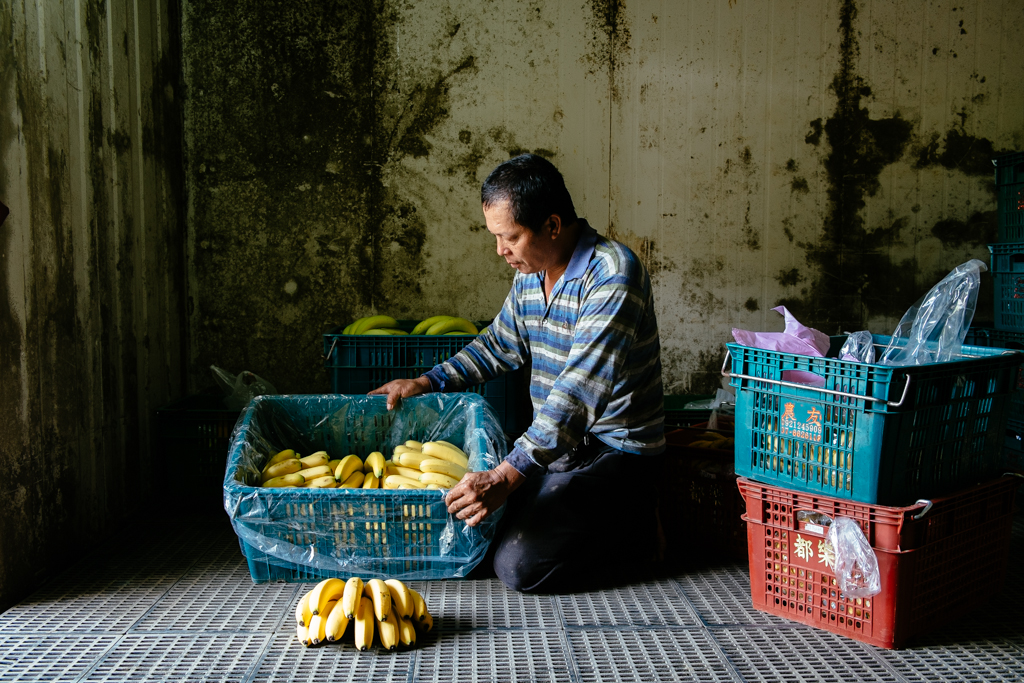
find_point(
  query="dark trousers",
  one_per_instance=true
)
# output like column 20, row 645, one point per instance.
column 589, row 521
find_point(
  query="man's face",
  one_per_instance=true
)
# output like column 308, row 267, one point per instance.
column 523, row 249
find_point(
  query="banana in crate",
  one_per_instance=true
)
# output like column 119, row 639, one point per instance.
column 433, row 326
column 413, row 465
column 387, row 609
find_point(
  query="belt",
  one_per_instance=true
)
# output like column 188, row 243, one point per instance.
column 587, row 446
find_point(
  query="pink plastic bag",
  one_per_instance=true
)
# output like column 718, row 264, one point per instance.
column 796, row 338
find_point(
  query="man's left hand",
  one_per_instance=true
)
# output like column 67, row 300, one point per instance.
column 481, row 493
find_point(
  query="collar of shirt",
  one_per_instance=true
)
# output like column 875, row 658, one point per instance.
column 581, row 255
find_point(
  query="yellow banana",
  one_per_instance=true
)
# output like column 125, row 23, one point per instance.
column 302, row 613
column 349, row 464
column 406, row 632
column 323, row 593
column 427, row 623
column 382, row 330
column 425, row 325
column 364, row 624
column 350, row 597
column 445, row 467
column 442, row 450
column 302, row 633
column 286, row 454
column 294, row 479
column 388, row 632
column 401, row 598
column 333, row 464
column 410, row 472
column 318, row 458
column 318, row 624
column 279, row 469
column 348, row 328
column 412, row 459
column 419, row 605
column 374, row 321
column 374, row 463
column 370, row 481
column 314, row 472
column 415, row 445
column 355, row 481
column 379, row 593
column 393, row 481
column 451, row 325
column 401, row 449
column 442, row 480
column 327, row 481
column 336, row 623
column 433, row 487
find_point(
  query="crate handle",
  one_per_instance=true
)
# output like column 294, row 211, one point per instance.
column 329, row 352
column 927, row 506
column 895, row 404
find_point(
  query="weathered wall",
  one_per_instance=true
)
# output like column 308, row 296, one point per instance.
column 91, row 269
column 832, row 156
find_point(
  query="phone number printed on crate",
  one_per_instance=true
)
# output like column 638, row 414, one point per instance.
column 801, row 421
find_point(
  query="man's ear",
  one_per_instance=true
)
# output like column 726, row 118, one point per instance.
column 554, row 225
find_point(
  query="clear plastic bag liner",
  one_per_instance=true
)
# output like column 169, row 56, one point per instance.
column 239, row 390
column 295, row 527
column 856, row 565
column 933, row 329
column 724, row 406
column 859, row 347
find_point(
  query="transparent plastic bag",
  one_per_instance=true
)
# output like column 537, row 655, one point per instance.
column 296, row 528
column 933, row 329
column 859, row 347
column 723, row 411
column 856, row 565
column 240, row 389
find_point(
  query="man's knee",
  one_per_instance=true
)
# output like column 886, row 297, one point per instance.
column 523, row 570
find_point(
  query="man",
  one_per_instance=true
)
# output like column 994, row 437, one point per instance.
column 581, row 313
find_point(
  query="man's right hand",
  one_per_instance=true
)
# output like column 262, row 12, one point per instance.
column 398, row 389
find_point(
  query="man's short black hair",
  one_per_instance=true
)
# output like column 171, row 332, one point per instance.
column 533, row 188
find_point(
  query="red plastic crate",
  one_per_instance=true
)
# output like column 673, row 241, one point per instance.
column 935, row 568
column 701, row 508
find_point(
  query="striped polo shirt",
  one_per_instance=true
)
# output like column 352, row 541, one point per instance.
column 593, row 349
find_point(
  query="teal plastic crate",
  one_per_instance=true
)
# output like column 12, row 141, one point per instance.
column 356, row 364
column 1007, row 268
column 986, row 336
column 872, row 433
column 1010, row 196
column 299, row 534
column 678, row 415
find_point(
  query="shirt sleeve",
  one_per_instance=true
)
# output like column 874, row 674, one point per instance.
column 501, row 348
column 611, row 313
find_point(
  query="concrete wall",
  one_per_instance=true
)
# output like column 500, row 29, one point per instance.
column 832, row 156
column 91, row 270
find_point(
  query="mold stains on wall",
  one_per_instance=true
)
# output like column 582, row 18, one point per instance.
column 855, row 274
column 610, row 39
column 977, row 231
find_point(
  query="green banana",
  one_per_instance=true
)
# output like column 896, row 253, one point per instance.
column 451, row 325
column 373, row 322
column 424, row 325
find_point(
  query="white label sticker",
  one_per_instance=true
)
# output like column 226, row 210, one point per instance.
column 815, row 529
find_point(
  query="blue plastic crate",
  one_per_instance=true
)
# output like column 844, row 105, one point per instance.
column 1010, row 196
column 299, row 534
column 872, row 433
column 1007, row 268
column 1001, row 339
column 356, row 364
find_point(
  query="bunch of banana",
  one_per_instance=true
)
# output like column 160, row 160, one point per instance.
column 388, row 608
column 444, row 324
column 288, row 468
column 430, row 465
column 713, row 440
column 374, row 324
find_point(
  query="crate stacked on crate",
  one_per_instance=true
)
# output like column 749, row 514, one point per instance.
column 700, row 508
column 1007, row 256
column 874, row 443
column 1013, row 450
column 356, row 364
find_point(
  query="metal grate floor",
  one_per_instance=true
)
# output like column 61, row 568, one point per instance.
column 179, row 606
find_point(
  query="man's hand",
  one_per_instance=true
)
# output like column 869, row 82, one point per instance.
column 481, row 493
column 398, row 389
